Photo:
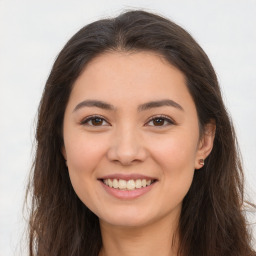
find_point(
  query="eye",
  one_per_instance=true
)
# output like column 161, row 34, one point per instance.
column 94, row 121
column 160, row 121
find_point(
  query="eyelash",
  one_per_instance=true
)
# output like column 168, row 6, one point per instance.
column 90, row 118
column 166, row 119
column 162, row 117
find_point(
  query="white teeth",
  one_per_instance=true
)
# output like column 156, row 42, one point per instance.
column 115, row 183
column 144, row 183
column 127, row 185
column 138, row 183
column 122, row 184
column 110, row 183
column 130, row 185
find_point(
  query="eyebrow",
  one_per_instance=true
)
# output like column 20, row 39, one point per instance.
column 142, row 107
column 94, row 103
column 159, row 103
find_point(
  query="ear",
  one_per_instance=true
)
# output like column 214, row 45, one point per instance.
column 205, row 144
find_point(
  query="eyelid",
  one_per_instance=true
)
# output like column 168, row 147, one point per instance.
column 85, row 120
column 166, row 118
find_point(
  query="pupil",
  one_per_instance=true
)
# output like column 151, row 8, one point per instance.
column 158, row 121
column 97, row 121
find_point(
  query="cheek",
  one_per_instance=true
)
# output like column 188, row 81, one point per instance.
column 84, row 152
column 176, row 157
column 175, row 151
column 83, row 157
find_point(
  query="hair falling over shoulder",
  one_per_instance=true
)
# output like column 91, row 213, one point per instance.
column 212, row 221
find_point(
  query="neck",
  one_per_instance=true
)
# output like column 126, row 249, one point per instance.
column 149, row 240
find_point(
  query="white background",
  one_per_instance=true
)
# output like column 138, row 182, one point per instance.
column 33, row 32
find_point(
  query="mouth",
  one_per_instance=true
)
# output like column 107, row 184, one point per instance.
column 127, row 185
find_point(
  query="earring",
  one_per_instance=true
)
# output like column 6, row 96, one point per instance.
column 201, row 161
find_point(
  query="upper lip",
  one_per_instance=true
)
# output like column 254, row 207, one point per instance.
column 126, row 177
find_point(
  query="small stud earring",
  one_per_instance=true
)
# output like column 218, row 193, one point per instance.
column 201, row 162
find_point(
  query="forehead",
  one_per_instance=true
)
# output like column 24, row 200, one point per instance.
column 124, row 77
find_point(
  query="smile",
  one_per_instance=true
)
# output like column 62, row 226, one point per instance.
column 131, row 184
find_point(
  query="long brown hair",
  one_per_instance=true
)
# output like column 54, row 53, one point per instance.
column 212, row 222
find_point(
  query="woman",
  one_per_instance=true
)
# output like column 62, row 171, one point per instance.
column 136, row 154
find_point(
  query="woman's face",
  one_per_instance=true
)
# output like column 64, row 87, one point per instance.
column 131, row 138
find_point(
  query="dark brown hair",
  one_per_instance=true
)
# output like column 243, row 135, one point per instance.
column 212, row 222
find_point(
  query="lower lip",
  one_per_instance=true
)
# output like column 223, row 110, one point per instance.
column 127, row 194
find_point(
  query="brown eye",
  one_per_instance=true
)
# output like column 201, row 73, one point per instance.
column 158, row 121
column 97, row 121
column 94, row 121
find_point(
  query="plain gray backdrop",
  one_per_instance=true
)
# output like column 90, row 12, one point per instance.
column 33, row 32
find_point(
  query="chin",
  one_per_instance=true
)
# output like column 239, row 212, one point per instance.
column 126, row 218
column 130, row 218
column 126, row 222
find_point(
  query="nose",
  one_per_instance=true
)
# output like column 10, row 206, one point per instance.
column 127, row 147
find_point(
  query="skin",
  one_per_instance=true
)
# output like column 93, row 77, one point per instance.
column 127, row 141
